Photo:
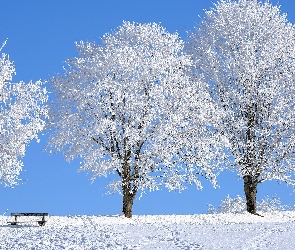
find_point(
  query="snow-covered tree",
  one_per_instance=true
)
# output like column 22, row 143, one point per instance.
column 22, row 116
column 126, row 107
column 246, row 51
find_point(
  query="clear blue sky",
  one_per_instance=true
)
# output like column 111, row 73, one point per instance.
column 41, row 36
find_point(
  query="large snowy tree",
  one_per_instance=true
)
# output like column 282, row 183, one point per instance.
column 127, row 107
column 22, row 113
column 246, row 51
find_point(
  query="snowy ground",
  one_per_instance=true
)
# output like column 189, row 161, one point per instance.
column 210, row 231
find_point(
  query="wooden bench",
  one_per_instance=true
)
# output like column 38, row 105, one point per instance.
column 16, row 215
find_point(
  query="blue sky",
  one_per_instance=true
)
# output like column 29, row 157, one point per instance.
column 41, row 36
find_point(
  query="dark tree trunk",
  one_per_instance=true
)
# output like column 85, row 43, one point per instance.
column 128, row 198
column 250, row 189
column 128, row 186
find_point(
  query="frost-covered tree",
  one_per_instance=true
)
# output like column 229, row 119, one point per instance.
column 22, row 116
column 246, row 51
column 126, row 107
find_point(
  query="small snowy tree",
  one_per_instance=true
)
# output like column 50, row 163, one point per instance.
column 127, row 107
column 21, row 118
column 246, row 51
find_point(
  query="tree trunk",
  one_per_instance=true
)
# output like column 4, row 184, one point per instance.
column 128, row 198
column 250, row 189
column 128, row 187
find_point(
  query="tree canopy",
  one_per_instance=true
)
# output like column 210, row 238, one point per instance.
column 22, row 114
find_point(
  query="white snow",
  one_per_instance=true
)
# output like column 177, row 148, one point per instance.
column 203, row 231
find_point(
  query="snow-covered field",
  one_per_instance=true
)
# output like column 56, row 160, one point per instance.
column 208, row 231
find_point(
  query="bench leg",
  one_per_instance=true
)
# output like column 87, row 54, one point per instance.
column 42, row 222
column 15, row 221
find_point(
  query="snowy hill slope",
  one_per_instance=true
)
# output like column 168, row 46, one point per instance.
column 210, row 231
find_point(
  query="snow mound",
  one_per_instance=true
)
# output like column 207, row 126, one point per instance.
column 204, row 231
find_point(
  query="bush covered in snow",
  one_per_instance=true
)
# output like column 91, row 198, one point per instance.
column 271, row 204
column 238, row 205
